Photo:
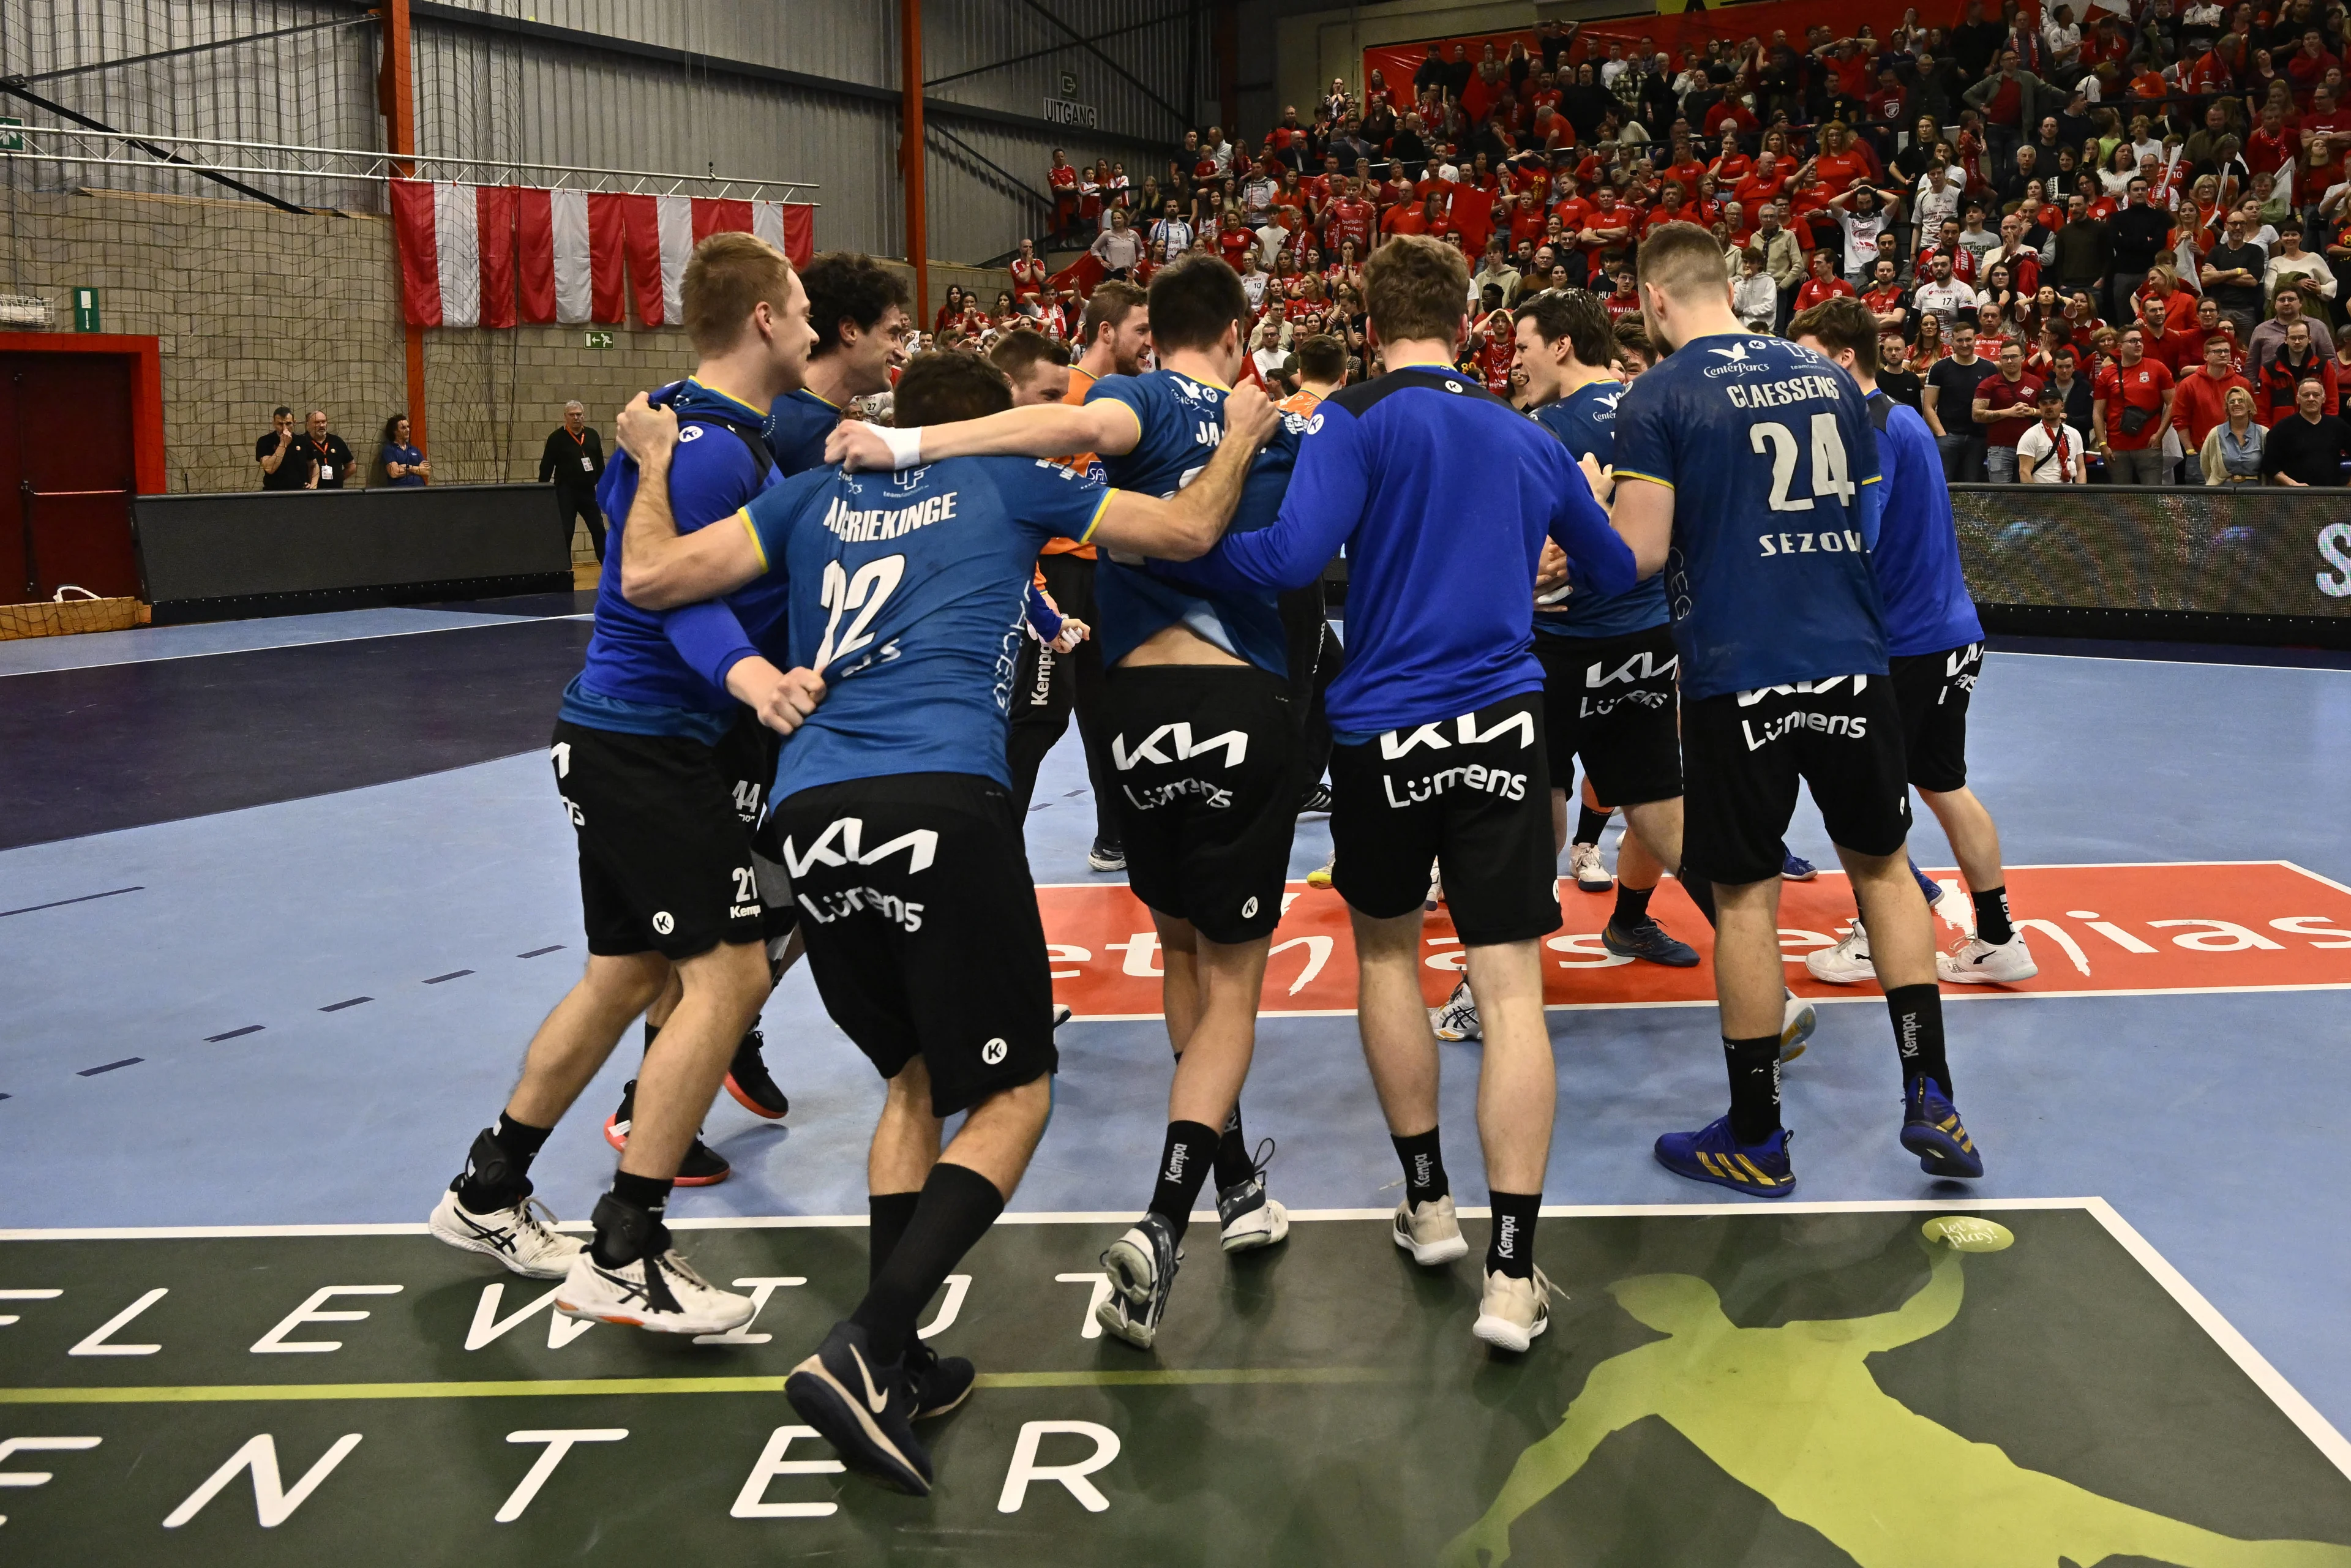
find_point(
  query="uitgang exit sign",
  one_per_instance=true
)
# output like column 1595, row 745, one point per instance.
column 85, row 308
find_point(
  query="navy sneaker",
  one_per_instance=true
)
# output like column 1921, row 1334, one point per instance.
column 1711, row 1154
column 864, row 1411
column 1141, row 1265
column 701, row 1166
column 1647, row 939
column 1927, row 884
column 1106, row 856
column 1795, row 867
column 940, row 1383
column 1931, row 1130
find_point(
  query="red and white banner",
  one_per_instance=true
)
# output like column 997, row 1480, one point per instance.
column 2096, row 930
column 491, row 255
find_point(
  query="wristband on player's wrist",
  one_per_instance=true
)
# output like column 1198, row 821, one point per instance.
column 905, row 445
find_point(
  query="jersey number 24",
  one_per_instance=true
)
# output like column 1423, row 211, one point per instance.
column 1830, row 475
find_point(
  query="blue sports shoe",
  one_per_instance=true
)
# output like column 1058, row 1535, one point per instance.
column 1927, row 885
column 1931, row 1130
column 1647, row 939
column 1711, row 1154
column 1795, row 867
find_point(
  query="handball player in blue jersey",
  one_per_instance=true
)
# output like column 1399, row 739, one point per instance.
column 858, row 310
column 1933, row 643
column 1442, row 495
column 1204, row 745
column 898, row 831
column 650, row 756
column 1757, row 461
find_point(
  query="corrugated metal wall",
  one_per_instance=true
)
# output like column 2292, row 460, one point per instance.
column 482, row 90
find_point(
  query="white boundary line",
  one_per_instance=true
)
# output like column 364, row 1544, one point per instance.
column 483, row 625
column 2255, row 1366
column 2191, row 663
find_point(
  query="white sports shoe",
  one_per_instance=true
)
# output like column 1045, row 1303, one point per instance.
column 1430, row 1231
column 1798, row 1019
column 1247, row 1218
column 1976, row 962
column 1457, row 1019
column 521, row 1238
column 1583, row 865
column 1847, row 964
column 1514, row 1310
column 660, row 1292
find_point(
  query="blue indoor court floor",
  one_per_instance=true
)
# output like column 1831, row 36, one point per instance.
column 281, row 901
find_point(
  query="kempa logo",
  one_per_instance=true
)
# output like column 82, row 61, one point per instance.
column 664, row 922
column 1179, row 735
column 921, row 844
column 993, row 1052
column 1249, row 910
column 1641, row 667
column 1397, row 742
column 1506, row 1237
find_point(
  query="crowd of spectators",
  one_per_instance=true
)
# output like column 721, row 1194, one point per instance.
column 2147, row 212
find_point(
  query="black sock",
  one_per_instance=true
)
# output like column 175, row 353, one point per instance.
column 1183, row 1168
column 1234, row 1165
column 1423, row 1168
column 497, row 1167
column 628, row 1219
column 1991, row 916
column 1589, row 824
column 889, row 1211
column 1918, row 1013
column 1700, row 893
column 652, row 1028
column 1631, row 905
column 1754, row 1086
column 957, row 1206
column 1511, row 1247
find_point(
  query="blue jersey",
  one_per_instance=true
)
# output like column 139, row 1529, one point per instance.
column 1928, row 607
column 1180, row 423
column 1586, row 420
column 1773, row 464
column 653, row 672
column 1442, row 494
column 907, row 591
column 797, row 428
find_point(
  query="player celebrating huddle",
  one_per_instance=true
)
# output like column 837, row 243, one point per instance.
column 1758, row 460
column 1205, row 741
column 897, row 826
column 1935, row 647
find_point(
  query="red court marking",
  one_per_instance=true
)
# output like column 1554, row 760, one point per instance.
column 2230, row 927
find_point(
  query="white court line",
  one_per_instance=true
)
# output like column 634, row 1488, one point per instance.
column 2192, row 664
column 311, row 642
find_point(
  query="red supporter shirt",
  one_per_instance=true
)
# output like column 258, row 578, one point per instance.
column 1622, row 305
column 1494, row 363
column 1351, row 221
column 2141, row 385
column 1835, row 171
column 2012, row 406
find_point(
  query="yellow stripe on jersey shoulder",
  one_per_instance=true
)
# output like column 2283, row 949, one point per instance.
column 1094, row 522
column 1873, row 479
column 744, row 513
column 1635, row 474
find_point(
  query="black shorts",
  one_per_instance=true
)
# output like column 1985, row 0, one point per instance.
column 922, row 928
column 1611, row 701
column 1746, row 750
column 1934, row 689
column 748, row 754
column 1471, row 794
column 665, row 855
column 1205, row 764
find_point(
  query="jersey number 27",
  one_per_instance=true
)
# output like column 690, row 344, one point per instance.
column 1830, row 475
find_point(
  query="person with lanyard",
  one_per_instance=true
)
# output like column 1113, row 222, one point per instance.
column 398, row 459
column 1785, row 680
column 1207, row 827
column 325, row 453
column 2308, row 446
column 662, row 782
column 2232, row 454
column 1439, row 723
column 906, row 856
column 2051, row 452
column 573, row 461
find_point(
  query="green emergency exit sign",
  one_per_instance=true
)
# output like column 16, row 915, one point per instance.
column 86, row 311
column 599, row 340
column 11, row 133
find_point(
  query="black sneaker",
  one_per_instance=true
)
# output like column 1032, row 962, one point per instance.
column 1061, row 1014
column 1647, row 939
column 747, row 1080
column 1315, row 803
column 1141, row 1265
column 702, row 1165
column 864, row 1411
column 940, row 1383
column 1106, row 856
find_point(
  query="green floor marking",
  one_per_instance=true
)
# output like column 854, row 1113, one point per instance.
column 1762, row 1387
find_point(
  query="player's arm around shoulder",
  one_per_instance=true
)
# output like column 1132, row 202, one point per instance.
column 1641, row 481
column 1188, row 525
column 660, row 569
column 1106, row 423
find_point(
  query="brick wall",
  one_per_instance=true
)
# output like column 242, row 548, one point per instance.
column 252, row 308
